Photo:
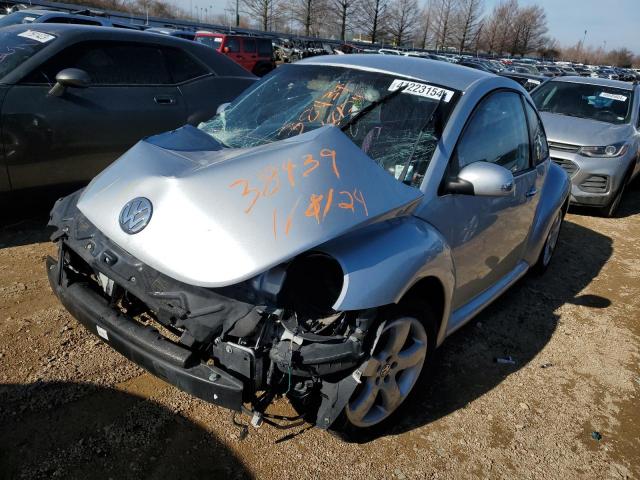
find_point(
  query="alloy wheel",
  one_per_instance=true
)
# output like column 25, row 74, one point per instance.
column 390, row 373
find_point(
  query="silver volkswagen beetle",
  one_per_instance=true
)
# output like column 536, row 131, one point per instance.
column 318, row 238
column 593, row 127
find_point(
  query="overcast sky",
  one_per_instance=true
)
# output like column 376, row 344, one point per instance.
column 616, row 22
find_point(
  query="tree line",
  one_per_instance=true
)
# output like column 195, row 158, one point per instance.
column 509, row 28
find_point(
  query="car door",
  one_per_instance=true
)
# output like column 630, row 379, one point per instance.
column 233, row 49
column 68, row 139
column 488, row 235
column 250, row 53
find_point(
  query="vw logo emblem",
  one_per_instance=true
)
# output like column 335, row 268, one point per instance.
column 135, row 215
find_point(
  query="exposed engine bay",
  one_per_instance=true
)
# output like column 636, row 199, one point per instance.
column 274, row 334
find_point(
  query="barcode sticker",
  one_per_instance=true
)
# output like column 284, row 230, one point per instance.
column 421, row 90
column 37, row 36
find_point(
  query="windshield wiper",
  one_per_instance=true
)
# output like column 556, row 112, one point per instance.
column 371, row 106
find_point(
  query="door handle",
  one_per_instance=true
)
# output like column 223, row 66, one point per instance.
column 532, row 192
column 164, row 99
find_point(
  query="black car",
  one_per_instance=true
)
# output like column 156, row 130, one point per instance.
column 74, row 98
column 478, row 66
column 527, row 80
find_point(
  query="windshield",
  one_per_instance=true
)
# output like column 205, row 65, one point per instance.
column 606, row 104
column 398, row 130
column 16, row 18
column 16, row 48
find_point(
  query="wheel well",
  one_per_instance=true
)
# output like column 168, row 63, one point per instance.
column 427, row 290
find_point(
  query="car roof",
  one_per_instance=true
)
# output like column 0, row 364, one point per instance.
column 443, row 73
column 71, row 31
column 603, row 82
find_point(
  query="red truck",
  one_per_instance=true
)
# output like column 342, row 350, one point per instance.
column 253, row 53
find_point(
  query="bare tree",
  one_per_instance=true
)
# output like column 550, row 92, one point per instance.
column 532, row 28
column 403, row 20
column 426, row 18
column 265, row 11
column 374, row 15
column 308, row 14
column 343, row 11
column 468, row 22
column 445, row 11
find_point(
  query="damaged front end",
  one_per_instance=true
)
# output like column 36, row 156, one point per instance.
column 236, row 270
column 238, row 346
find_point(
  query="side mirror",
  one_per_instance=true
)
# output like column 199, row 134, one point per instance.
column 483, row 179
column 70, row 77
column 225, row 49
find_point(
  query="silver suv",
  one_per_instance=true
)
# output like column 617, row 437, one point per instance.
column 593, row 130
column 318, row 238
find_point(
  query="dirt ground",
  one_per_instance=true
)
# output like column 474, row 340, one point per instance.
column 70, row 407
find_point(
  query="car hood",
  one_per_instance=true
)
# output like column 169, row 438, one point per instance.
column 583, row 131
column 221, row 216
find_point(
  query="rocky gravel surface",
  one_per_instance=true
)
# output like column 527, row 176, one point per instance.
column 568, row 407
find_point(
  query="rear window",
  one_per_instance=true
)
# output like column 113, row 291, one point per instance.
column 16, row 48
column 72, row 20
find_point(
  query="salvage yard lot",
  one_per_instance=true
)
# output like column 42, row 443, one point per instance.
column 71, row 407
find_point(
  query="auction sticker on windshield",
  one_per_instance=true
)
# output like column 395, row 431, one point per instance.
column 613, row 96
column 37, row 36
column 421, row 90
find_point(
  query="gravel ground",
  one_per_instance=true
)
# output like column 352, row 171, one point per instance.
column 70, row 407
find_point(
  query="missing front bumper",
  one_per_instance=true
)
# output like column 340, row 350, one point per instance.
column 144, row 345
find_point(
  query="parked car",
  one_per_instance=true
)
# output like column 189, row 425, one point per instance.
column 54, row 16
column 253, row 53
column 73, row 98
column 475, row 66
column 318, row 238
column 592, row 126
column 173, row 32
column 528, row 81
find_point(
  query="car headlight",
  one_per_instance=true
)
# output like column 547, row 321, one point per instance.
column 609, row 151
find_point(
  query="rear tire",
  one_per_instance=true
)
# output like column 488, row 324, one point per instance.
column 397, row 369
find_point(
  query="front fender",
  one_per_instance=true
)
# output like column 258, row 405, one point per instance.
column 381, row 262
column 553, row 196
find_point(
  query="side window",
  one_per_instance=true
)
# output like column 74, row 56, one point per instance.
column 536, row 133
column 496, row 133
column 108, row 63
column 265, row 49
column 233, row 44
column 182, row 67
column 249, row 45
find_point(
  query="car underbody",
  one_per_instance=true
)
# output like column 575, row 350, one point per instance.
column 238, row 346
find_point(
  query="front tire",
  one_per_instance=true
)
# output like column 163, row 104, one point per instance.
column 610, row 210
column 400, row 358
